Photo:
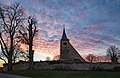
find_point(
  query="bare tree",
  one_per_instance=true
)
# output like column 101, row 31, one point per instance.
column 113, row 52
column 18, row 54
column 90, row 58
column 2, row 57
column 27, row 36
column 11, row 17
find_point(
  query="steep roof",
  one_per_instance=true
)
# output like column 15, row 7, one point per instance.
column 64, row 36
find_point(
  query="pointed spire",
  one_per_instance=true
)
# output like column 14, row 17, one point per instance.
column 64, row 36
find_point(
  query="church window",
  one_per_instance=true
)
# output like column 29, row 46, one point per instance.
column 64, row 43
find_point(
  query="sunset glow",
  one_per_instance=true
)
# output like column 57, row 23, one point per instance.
column 91, row 25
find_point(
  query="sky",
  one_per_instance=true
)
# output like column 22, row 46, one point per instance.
column 91, row 25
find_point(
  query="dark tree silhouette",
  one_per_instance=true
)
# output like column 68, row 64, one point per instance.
column 11, row 17
column 18, row 54
column 2, row 57
column 90, row 57
column 27, row 36
column 113, row 52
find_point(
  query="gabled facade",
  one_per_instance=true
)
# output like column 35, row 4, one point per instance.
column 67, row 51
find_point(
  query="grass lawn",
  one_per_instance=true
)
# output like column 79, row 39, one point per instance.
column 66, row 74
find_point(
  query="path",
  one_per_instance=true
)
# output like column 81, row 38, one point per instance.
column 11, row 76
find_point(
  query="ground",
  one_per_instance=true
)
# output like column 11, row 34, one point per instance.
column 67, row 74
column 2, row 75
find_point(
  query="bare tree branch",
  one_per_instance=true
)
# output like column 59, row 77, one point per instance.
column 11, row 17
column 3, row 60
column 113, row 52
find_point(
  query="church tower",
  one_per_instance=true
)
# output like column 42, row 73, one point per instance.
column 67, row 51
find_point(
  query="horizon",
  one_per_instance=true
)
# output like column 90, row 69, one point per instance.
column 91, row 26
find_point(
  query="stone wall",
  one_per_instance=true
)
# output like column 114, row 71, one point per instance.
column 65, row 66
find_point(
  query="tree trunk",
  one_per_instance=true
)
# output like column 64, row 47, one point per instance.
column 91, row 65
column 30, row 48
column 30, row 58
column 10, row 55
